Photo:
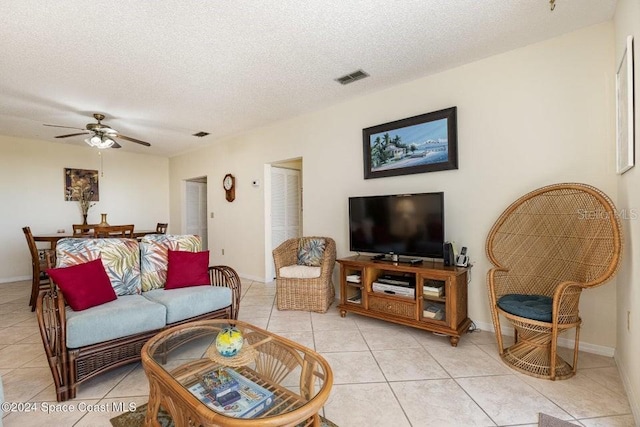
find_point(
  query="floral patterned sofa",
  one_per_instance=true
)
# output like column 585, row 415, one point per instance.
column 83, row 343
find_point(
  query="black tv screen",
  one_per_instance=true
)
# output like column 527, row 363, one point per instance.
column 409, row 224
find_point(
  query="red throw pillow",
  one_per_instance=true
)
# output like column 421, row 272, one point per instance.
column 186, row 269
column 84, row 285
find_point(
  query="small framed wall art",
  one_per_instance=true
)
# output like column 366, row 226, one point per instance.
column 625, row 132
column 424, row 143
column 81, row 184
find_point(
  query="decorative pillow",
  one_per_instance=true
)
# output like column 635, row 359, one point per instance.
column 84, row 285
column 154, row 256
column 310, row 252
column 186, row 269
column 120, row 257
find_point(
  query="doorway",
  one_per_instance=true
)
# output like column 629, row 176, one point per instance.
column 195, row 213
column 283, row 207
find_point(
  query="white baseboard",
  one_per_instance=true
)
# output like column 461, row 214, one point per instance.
column 14, row 279
column 562, row 342
column 634, row 401
column 250, row 277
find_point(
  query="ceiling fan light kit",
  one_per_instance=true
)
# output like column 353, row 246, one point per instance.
column 100, row 142
column 102, row 135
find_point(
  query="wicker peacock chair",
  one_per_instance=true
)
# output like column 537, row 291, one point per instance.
column 546, row 247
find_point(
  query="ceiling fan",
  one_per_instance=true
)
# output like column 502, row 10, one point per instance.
column 102, row 135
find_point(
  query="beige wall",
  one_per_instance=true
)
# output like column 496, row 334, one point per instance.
column 627, row 22
column 134, row 189
column 533, row 116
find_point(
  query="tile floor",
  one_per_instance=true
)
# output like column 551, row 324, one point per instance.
column 385, row 374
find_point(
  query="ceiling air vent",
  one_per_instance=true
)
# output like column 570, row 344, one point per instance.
column 352, row 77
column 201, row 134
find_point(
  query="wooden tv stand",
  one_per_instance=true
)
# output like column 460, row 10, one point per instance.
column 447, row 313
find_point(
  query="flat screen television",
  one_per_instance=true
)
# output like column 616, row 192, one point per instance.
column 407, row 224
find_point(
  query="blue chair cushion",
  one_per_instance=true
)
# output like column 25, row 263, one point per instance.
column 127, row 315
column 534, row 307
column 185, row 303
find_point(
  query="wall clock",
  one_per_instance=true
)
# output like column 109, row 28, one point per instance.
column 229, row 185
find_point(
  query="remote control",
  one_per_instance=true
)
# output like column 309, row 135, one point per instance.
column 229, row 398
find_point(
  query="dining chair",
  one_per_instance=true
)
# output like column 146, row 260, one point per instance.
column 114, row 231
column 80, row 229
column 39, row 279
column 161, row 227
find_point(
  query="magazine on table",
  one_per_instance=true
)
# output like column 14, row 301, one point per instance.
column 230, row 393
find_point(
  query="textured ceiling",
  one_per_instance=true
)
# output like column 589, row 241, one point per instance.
column 163, row 70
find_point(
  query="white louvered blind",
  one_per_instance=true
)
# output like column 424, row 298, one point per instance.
column 196, row 214
column 285, row 205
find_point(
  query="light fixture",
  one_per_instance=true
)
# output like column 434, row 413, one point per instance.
column 100, row 141
column 552, row 4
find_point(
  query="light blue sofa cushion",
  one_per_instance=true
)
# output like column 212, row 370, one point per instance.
column 184, row 303
column 128, row 315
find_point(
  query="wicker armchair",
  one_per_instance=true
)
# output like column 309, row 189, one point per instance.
column 546, row 247
column 310, row 294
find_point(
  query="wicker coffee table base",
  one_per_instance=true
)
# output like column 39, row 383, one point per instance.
column 273, row 358
column 186, row 414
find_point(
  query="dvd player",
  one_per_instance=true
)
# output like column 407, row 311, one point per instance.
column 394, row 282
column 405, row 291
column 397, row 280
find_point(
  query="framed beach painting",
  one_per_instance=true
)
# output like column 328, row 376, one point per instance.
column 424, row 143
column 625, row 153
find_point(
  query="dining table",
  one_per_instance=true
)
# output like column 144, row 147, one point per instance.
column 53, row 238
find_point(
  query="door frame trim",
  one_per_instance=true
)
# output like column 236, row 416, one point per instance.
column 268, row 259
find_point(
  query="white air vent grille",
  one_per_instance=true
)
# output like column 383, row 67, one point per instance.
column 352, row 77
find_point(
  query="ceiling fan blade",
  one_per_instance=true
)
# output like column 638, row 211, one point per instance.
column 116, row 145
column 65, row 127
column 72, row 134
column 137, row 141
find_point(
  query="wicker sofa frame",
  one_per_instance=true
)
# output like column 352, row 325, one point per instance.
column 72, row 366
column 315, row 294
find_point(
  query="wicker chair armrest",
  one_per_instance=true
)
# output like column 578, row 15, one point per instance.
column 566, row 301
column 503, row 281
column 496, row 278
column 221, row 275
column 52, row 322
column 329, row 258
column 285, row 254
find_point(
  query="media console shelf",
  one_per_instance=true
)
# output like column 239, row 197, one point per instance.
column 438, row 302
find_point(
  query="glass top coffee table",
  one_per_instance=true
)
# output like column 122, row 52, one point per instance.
column 290, row 382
